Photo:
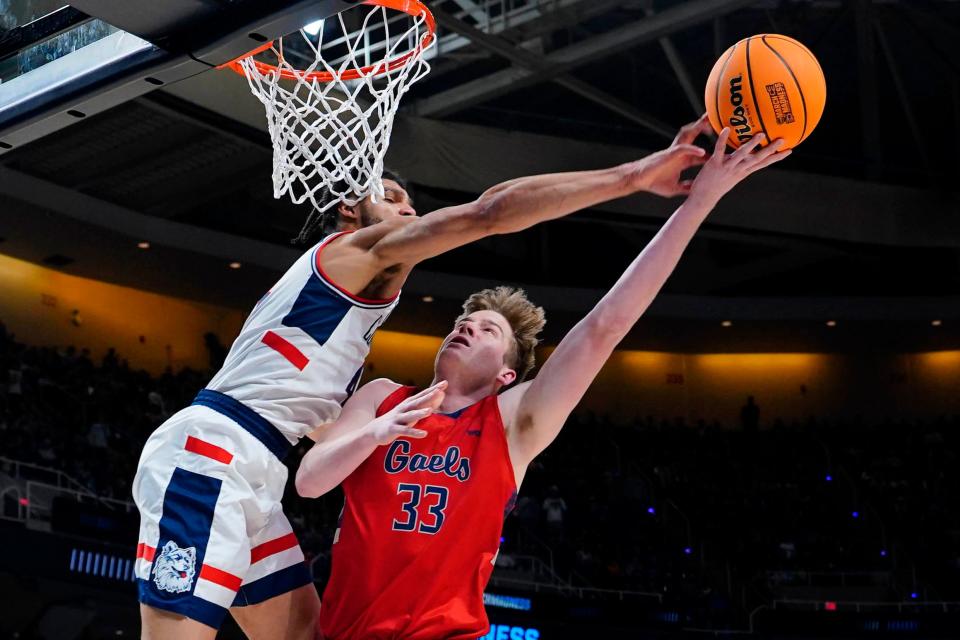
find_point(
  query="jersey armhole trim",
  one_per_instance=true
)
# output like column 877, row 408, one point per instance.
column 505, row 441
column 366, row 303
column 388, row 403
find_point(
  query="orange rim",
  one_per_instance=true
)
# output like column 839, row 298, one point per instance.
column 415, row 8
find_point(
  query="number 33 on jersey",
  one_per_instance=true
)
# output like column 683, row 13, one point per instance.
column 411, row 507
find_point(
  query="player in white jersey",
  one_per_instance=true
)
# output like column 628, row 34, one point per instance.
column 213, row 536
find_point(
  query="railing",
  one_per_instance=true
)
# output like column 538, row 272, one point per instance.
column 526, row 535
column 19, row 501
column 35, row 487
column 532, row 584
column 40, row 498
column 829, row 578
column 536, row 568
column 569, row 590
column 26, row 471
column 865, row 607
column 533, row 566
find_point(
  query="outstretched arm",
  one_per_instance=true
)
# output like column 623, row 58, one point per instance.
column 536, row 410
column 517, row 204
column 343, row 446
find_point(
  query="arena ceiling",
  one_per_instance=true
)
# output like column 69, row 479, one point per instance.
column 862, row 222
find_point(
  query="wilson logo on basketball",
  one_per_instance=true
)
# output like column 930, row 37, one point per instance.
column 780, row 102
column 775, row 68
column 738, row 120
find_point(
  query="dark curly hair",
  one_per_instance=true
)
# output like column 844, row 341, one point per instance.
column 320, row 224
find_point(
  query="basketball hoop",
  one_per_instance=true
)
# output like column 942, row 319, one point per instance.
column 330, row 119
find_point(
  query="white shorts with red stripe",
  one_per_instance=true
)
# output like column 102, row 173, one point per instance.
column 212, row 531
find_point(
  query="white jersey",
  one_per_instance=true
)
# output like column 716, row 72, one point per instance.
column 300, row 353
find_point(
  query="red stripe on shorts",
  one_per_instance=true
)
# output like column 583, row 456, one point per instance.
column 212, row 451
column 220, row 577
column 286, row 349
column 145, row 551
column 271, row 547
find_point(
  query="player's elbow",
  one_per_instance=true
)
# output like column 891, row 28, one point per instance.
column 605, row 331
column 491, row 212
column 306, row 486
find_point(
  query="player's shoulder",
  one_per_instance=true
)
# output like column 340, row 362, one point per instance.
column 368, row 237
column 376, row 391
column 381, row 385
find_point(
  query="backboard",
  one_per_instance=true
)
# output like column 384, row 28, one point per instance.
column 60, row 63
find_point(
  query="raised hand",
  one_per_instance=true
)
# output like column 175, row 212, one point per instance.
column 660, row 172
column 690, row 132
column 723, row 171
column 400, row 421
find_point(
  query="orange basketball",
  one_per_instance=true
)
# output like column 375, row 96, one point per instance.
column 768, row 84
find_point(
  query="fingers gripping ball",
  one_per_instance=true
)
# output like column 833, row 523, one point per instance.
column 768, row 84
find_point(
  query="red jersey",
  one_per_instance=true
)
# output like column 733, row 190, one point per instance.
column 420, row 530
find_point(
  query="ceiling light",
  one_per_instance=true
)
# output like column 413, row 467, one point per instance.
column 235, row 265
column 726, row 323
column 143, row 245
column 314, row 27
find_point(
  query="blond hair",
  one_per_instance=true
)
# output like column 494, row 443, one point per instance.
column 525, row 318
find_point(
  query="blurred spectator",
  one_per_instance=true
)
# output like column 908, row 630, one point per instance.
column 554, row 508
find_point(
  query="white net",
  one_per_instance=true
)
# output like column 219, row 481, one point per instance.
column 331, row 116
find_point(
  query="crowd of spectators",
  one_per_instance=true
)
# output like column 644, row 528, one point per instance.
column 695, row 510
column 61, row 409
column 702, row 511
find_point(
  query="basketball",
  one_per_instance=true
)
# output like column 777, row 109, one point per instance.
column 768, row 84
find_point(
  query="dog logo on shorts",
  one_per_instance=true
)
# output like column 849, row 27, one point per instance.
column 174, row 568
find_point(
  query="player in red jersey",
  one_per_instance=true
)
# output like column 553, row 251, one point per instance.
column 429, row 476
